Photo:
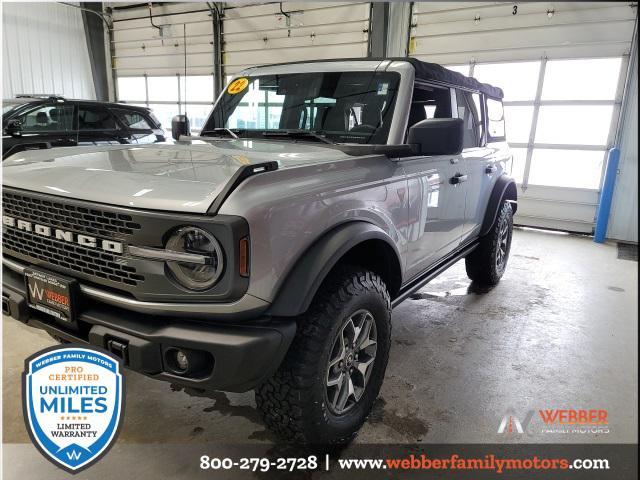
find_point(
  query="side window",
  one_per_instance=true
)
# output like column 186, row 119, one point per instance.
column 477, row 103
column 429, row 102
column 468, row 112
column 93, row 117
column 50, row 118
column 133, row 120
column 495, row 114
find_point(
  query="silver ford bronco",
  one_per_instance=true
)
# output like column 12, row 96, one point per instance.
column 267, row 252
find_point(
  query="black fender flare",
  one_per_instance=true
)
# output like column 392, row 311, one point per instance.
column 304, row 279
column 504, row 189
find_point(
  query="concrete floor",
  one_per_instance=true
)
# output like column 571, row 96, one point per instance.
column 559, row 331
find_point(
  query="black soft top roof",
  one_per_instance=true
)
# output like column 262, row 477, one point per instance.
column 432, row 71
column 424, row 71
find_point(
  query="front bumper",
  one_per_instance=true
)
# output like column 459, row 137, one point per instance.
column 233, row 357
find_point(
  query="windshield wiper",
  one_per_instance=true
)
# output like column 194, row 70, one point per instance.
column 298, row 134
column 220, row 130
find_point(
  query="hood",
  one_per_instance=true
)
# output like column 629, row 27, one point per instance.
column 180, row 177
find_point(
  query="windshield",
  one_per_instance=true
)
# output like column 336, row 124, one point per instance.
column 343, row 107
column 8, row 105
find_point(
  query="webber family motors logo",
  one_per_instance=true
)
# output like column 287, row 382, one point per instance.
column 73, row 397
column 555, row 421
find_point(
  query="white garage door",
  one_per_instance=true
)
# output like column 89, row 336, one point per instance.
column 150, row 61
column 262, row 34
column 562, row 67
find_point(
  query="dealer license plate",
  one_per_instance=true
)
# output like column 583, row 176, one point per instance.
column 51, row 294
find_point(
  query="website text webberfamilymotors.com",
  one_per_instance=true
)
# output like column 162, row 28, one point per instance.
column 422, row 461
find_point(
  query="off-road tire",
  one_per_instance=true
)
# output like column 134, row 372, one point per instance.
column 482, row 265
column 294, row 401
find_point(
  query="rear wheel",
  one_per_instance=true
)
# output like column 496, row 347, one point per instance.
column 331, row 376
column 487, row 263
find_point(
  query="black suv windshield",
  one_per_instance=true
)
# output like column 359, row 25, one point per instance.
column 343, row 107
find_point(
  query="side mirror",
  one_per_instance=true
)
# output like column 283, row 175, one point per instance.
column 180, row 126
column 14, row 127
column 438, row 136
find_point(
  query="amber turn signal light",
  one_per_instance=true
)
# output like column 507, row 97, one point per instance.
column 244, row 257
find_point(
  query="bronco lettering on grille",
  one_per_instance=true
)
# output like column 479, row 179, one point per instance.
column 64, row 235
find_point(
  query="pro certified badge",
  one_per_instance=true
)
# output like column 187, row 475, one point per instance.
column 73, row 397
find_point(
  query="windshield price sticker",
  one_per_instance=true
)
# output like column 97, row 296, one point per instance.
column 237, row 86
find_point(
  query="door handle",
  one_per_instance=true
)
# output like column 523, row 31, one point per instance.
column 490, row 169
column 453, row 161
column 458, row 178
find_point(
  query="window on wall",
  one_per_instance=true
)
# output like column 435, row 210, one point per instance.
column 169, row 96
column 593, row 79
column 197, row 115
column 518, row 123
column 566, row 168
column 518, row 80
column 518, row 163
column 163, row 89
column 575, row 112
column 132, row 89
column 574, row 124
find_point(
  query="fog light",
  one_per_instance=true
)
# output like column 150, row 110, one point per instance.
column 182, row 362
column 187, row 362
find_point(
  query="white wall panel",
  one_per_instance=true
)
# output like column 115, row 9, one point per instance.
column 259, row 34
column 449, row 33
column 45, row 51
column 140, row 50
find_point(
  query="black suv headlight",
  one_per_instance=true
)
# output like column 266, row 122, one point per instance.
column 203, row 263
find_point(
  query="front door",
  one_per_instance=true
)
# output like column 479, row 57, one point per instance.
column 46, row 126
column 437, row 192
column 437, row 187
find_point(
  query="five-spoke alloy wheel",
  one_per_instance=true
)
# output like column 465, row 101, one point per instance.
column 351, row 361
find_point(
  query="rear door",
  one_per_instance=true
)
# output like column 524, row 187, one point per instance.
column 139, row 128
column 98, row 126
column 481, row 161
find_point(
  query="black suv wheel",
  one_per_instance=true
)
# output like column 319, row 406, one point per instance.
column 326, row 385
column 487, row 263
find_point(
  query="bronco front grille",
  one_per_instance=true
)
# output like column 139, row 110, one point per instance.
column 67, row 255
column 67, row 216
column 87, row 262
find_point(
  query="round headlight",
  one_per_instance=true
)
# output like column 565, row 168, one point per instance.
column 204, row 272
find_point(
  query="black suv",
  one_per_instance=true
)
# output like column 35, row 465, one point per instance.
column 38, row 122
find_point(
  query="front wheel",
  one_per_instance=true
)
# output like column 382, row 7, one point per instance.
column 331, row 376
column 487, row 263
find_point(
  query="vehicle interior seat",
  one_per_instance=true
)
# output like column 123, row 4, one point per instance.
column 371, row 118
column 42, row 120
column 417, row 113
column 54, row 114
column 336, row 119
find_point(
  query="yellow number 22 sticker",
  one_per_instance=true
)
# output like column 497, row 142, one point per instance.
column 238, row 85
